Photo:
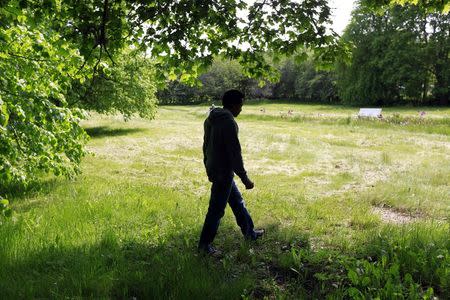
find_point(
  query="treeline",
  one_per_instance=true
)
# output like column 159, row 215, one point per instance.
column 398, row 57
column 300, row 81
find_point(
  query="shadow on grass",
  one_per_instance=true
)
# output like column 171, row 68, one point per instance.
column 282, row 265
column 15, row 192
column 105, row 131
column 125, row 269
column 119, row 269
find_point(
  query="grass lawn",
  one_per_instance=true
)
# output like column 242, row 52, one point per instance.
column 352, row 209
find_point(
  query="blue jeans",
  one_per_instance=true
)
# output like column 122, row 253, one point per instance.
column 223, row 192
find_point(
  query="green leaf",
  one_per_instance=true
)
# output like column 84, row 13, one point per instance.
column 22, row 18
column 4, row 113
column 354, row 293
column 172, row 76
column 353, row 276
column 8, row 212
column 185, row 77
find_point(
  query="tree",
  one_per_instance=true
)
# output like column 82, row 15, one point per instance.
column 303, row 81
column 429, row 5
column 314, row 85
column 285, row 87
column 221, row 76
column 395, row 57
column 438, row 51
column 184, row 36
column 127, row 87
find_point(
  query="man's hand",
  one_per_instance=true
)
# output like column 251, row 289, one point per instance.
column 248, row 183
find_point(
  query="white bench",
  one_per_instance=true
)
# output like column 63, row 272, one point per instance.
column 370, row 112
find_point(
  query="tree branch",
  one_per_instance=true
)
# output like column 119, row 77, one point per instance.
column 110, row 57
column 103, row 40
column 86, row 59
column 16, row 138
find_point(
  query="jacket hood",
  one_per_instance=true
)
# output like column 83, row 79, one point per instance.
column 219, row 114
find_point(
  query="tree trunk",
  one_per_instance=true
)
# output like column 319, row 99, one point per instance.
column 443, row 99
column 442, row 89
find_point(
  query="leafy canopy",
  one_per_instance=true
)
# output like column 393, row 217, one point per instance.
column 184, row 35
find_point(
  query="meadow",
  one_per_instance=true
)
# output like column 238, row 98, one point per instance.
column 353, row 208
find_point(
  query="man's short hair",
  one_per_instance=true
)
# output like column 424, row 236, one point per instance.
column 232, row 97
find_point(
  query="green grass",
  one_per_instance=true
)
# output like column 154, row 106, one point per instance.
column 128, row 225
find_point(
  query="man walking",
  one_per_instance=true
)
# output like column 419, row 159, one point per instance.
column 222, row 158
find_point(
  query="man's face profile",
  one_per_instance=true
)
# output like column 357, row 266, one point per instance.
column 236, row 109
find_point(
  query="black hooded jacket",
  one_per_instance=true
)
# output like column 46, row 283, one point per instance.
column 221, row 148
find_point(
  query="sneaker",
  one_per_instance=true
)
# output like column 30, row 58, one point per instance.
column 257, row 233
column 210, row 251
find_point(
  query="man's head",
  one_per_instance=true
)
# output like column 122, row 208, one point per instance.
column 233, row 101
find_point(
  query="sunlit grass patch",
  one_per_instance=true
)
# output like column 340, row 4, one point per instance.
column 425, row 190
